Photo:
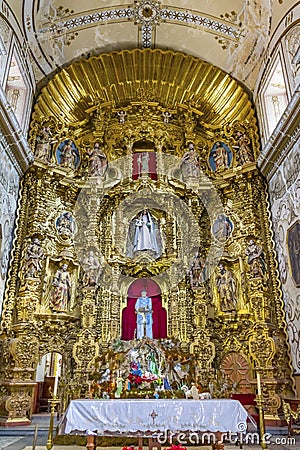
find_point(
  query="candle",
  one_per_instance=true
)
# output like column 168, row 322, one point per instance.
column 55, row 386
column 258, row 384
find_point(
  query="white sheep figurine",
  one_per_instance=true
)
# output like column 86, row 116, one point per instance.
column 194, row 393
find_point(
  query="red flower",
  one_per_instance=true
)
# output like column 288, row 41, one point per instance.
column 176, row 447
column 135, row 379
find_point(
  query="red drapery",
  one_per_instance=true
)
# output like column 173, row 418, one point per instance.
column 159, row 313
column 136, row 165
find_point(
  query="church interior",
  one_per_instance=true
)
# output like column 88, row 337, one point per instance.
column 150, row 203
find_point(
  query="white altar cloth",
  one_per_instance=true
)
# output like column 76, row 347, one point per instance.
column 116, row 416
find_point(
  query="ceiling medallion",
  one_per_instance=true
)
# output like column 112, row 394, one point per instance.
column 147, row 12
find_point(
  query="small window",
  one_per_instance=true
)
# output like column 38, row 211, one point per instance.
column 16, row 90
column 275, row 97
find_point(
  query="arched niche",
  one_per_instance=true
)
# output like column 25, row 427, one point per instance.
column 159, row 314
column 48, row 373
column 144, row 159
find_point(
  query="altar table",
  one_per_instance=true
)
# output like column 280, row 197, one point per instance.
column 148, row 417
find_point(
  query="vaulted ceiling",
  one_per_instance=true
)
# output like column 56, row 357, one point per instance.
column 231, row 35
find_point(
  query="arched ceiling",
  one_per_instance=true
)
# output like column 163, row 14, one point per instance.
column 231, row 35
column 119, row 79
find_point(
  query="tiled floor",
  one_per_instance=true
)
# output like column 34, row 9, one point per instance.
column 6, row 441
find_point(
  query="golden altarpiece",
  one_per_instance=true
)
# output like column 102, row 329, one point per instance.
column 119, row 137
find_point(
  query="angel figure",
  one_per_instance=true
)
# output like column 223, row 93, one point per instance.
column 122, row 114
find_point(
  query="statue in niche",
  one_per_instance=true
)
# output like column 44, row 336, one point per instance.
column 222, row 227
column 196, row 272
column 65, row 225
column 146, row 234
column 143, row 162
column 256, row 259
column 143, row 309
column 97, row 161
column 60, row 294
column 244, row 153
column 220, row 157
column 43, row 145
column 33, row 259
column 190, row 163
column 226, row 288
column 67, row 154
column 92, row 268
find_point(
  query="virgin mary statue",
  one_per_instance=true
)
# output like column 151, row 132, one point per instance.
column 144, row 235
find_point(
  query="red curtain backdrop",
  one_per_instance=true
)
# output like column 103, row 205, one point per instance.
column 159, row 313
column 152, row 165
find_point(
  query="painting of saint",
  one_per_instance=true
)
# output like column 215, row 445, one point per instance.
column 293, row 242
column 220, row 157
column 67, row 154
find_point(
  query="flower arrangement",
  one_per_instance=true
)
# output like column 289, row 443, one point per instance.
column 176, row 447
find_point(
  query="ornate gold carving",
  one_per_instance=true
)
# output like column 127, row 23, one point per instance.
column 212, row 315
column 85, row 350
column 18, row 405
column 25, row 350
column 261, row 346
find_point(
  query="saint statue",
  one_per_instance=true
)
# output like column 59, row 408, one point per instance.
column 68, row 156
column 143, row 309
column 146, row 233
column 97, row 161
column 256, row 259
column 196, row 272
column 221, row 157
column 92, row 268
column 143, row 162
column 43, row 145
column 33, row 259
column 60, row 294
column 65, row 225
column 226, row 288
column 222, row 227
column 244, row 154
column 190, row 163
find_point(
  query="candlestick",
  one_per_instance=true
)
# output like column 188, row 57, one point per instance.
column 55, row 386
column 258, row 383
column 53, row 402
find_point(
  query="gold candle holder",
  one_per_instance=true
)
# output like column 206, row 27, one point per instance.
column 260, row 402
column 53, row 402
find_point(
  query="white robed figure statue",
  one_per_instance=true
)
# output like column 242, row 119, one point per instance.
column 145, row 233
column 143, row 309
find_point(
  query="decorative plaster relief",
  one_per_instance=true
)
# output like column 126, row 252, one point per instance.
column 9, row 183
column 285, row 200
